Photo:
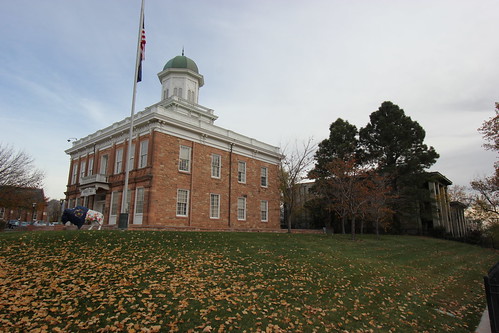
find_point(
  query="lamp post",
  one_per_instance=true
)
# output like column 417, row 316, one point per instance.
column 61, row 210
column 33, row 216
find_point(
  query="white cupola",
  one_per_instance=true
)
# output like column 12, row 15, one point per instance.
column 180, row 77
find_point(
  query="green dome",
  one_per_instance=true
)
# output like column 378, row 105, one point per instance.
column 182, row 62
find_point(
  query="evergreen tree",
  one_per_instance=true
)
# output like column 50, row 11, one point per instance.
column 395, row 143
column 342, row 143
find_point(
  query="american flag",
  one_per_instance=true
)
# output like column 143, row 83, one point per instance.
column 142, row 50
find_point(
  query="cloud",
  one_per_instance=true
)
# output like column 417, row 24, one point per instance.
column 274, row 70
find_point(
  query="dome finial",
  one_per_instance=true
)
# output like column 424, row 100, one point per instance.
column 182, row 51
column 182, row 62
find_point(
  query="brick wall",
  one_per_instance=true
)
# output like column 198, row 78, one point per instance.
column 162, row 178
column 168, row 179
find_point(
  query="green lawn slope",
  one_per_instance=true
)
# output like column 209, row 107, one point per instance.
column 110, row 281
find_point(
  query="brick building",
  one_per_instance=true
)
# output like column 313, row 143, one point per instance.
column 23, row 204
column 185, row 172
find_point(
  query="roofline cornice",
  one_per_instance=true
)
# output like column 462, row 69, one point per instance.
column 166, row 72
column 160, row 117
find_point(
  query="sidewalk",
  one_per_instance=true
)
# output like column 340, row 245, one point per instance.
column 484, row 326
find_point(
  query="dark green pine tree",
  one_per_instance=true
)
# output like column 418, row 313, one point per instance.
column 395, row 142
column 342, row 143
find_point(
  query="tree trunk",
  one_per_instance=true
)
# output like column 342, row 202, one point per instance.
column 289, row 223
column 343, row 219
column 330, row 223
column 287, row 217
column 353, row 228
column 377, row 228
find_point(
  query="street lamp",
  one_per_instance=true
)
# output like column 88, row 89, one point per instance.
column 62, row 201
column 33, row 216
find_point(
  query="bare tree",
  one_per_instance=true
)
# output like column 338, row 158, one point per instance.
column 460, row 193
column 335, row 187
column 17, row 169
column 347, row 188
column 379, row 197
column 490, row 131
column 54, row 210
column 486, row 202
column 355, row 191
column 294, row 166
column 487, row 199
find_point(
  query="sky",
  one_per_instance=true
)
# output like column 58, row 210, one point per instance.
column 280, row 71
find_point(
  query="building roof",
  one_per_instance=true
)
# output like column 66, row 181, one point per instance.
column 458, row 204
column 20, row 197
column 182, row 62
column 437, row 176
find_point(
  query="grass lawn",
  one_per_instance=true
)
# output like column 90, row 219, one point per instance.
column 108, row 281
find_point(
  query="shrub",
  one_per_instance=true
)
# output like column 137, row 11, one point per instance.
column 438, row 232
column 474, row 237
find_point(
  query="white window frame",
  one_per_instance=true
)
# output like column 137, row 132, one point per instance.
column 83, row 165
column 216, row 166
column 264, row 210
column 241, row 209
column 184, row 158
column 115, row 200
column 139, row 200
column 264, row 177
column 182, row 207
column 241, row 172
column 138, row 210
column 113, row 210
column 177, row 92
column 144, row 147
column 191, row 97
column 118, row 163
column 75, row 173
column 90, row 166
column 104, row 160
column 214, row 206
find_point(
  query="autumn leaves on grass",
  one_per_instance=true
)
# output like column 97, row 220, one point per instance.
column 216, row 282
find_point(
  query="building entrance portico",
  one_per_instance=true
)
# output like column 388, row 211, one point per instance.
column 100, row 206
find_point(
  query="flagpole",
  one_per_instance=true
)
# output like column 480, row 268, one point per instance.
column 123, row 221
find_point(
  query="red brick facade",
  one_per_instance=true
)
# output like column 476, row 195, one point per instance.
column 161, row 179
column 23, row 204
